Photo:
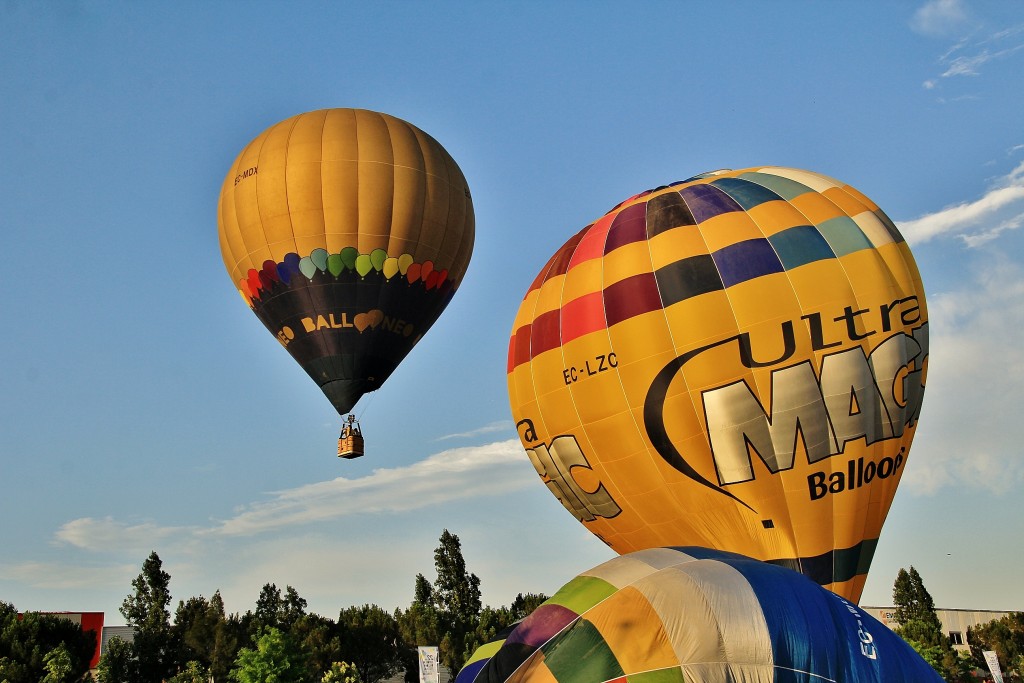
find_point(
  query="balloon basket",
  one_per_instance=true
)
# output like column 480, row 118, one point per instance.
column 350, row 441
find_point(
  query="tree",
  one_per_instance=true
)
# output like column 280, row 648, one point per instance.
column 34, row 646
column 117, row 665
column 202, row 634
column 293, row 608
column 268, row 609
column 341, row 672
column 273, row 609
column 146, row 611
column 418, row 624
column 920, row 626
column 318, row 637
column 192, row 631
column 456, row 595
column 492, row 622
column 1003, row 636
column 59, row 667
column 523, row 605
column 192, row 672
column 275, row 659
column 496, row 622
column 914, row 604
column 371, row 640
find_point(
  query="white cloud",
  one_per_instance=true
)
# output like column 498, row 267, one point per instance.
column 452, row 475
column 992, row 233
column 500, row 425
column 976, row 222
column 968, row 55
column 966, row 66
column 447, row 476
column 939, row 17
column 971, row 430
column 109, row 535
column 971, row 65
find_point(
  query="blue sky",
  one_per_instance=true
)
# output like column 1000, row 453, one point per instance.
column 145, row 408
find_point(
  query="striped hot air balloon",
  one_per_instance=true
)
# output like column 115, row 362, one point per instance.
column 693, row 615
column 734, row 361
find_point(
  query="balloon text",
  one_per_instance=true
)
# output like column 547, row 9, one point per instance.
column 591, row 367
column 361, row 321
column 555, row 465
column 855, row 397
column 857, row 474
column 249, row 172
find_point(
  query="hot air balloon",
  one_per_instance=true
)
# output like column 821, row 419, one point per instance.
column 696, row 615
column 735, row 361
column 347, row 232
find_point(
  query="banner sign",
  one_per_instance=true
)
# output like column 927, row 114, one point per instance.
column 430, row 669
column 993, row 665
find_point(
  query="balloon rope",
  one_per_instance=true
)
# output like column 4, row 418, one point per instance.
column 373, row 395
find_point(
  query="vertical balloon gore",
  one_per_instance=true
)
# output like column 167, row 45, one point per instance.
column 734, row 361
column 316, row 217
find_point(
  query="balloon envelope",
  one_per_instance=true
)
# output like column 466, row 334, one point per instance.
column 347, row 232
column 691, row 614
column 734, row 361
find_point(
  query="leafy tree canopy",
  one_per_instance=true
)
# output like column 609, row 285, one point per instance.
column 1003, row 636
column 920, row 626
column 283, row 642
column 37, row 647
column 117, row 665
column 146, row 611
column 341, row 672
column 275, row 659
column 456, row 596
column 371, row 640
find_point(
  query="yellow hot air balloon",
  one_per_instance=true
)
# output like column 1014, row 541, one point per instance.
column 347, row 232
column 734, row 361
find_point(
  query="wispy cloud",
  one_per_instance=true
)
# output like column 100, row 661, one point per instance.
column 970, row 427
column 939, row 17
column 971, row 65
column 454, row 474
column 499, row 426
column 974, row 47
column 109, row 535
column 975, row 222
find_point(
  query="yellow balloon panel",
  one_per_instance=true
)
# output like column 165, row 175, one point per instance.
column 271, row 190
column 735, row 361
column 775, row 216
column 339, row 178
column 304, row 183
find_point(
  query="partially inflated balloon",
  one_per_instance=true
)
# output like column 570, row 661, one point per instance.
column 686, row 615
column 347, row 232
column 734, row 361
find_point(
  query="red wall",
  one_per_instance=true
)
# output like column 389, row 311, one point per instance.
column 89, row 621
column 93, row 621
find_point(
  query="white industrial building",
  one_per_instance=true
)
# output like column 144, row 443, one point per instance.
column 955, row 622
